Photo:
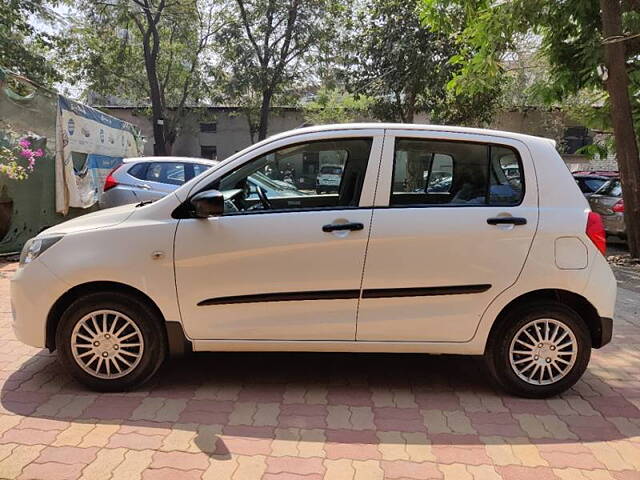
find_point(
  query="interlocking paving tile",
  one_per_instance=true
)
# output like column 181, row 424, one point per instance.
column 313, row 416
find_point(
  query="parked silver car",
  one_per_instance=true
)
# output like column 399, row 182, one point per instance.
column 607, row 201
column 149, row 178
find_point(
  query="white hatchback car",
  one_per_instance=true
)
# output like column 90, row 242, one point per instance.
column 504, row 259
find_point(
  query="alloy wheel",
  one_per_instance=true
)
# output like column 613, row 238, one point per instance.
column 543, row 351
column 107, row 344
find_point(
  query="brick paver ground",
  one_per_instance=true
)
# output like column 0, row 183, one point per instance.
column 319, row 416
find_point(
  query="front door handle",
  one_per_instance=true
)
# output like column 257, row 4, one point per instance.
column 334, row 227
column 507, row 221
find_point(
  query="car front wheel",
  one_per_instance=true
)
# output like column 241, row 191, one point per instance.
column 110, row 341
column 541, row 350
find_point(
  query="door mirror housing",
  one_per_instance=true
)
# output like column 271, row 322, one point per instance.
column 209, row 203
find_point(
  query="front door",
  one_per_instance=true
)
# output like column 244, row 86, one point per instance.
column 454, row 220
column 282, row 263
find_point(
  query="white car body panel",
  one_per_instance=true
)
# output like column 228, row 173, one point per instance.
column 267, row 252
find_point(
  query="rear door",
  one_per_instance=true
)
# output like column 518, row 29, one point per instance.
column 134, row 178
column 454, row 218
column 163, row 178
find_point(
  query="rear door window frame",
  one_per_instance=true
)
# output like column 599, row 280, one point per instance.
column 395, row 136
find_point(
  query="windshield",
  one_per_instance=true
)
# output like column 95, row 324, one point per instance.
column 612, row 188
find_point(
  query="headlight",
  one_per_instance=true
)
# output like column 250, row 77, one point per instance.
column 36, row 247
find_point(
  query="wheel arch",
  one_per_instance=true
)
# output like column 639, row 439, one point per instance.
column 576, row 302
column 177, row 341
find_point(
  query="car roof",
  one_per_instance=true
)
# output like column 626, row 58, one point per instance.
column 600, row 173
column 203, row 161
column 408, row 126
column 591, row 175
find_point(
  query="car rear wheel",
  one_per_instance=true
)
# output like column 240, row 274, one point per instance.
column 541, row 350
column 110, row 341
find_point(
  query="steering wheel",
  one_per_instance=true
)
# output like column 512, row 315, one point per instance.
column 263, row 197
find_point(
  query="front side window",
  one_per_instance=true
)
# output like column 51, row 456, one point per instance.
column 285, row 179
column 435, row 172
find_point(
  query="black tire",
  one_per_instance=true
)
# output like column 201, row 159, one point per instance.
column 145, row 318
column 498, row 346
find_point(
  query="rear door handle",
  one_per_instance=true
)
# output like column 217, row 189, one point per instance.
column 143, row 186
column 334, row 227
column 507, row 221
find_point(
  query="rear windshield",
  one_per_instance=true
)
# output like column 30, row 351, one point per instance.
column 612, row 188
column 331, row 170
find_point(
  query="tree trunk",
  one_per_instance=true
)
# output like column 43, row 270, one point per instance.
column 157, row 110
column 264, row 114
column 617, row 85
column 410, row 106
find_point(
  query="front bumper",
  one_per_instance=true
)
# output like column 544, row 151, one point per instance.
column 34, row 290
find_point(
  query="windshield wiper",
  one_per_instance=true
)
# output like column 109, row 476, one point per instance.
column 143, row 203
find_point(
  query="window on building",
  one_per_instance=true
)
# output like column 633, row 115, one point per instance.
column 210, row 152
column 433, row 172
column 208, row 127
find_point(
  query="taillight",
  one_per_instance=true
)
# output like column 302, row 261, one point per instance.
column 595, row 231
column 619, row 207
column 110, row 181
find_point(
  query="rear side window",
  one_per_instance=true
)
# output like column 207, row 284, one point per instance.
column 435, row 172
column 199, row 168
column 166, row 172
column 139, row 170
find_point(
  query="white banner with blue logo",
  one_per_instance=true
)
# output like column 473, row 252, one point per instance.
column 89, row 144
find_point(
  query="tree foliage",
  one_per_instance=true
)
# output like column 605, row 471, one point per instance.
column 147, row 52
column 332, row 105
column 405, row 66
column 592, row 51
column 23, row 48
column 266, row 47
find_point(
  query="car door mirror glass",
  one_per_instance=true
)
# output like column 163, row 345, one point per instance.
column 209, row 203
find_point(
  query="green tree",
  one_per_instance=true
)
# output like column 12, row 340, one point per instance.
column 333, row 105
column 23, row 48
column 589, row 45
column 150, row 52
column 405, row 66
column 266, row 47
column 400, row 63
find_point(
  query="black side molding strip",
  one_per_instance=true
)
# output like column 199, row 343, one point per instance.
column 283, row 297
column 346, row 294
column 424, row 292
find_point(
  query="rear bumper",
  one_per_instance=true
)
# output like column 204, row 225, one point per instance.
column 614, row 224
column 116, row 197
column 603, row 333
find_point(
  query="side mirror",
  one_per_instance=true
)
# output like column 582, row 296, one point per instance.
column 209, row 203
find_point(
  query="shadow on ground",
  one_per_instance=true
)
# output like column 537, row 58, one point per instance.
column 347, row 399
